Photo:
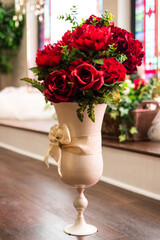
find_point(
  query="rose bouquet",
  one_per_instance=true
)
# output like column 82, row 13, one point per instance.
column 88, row 64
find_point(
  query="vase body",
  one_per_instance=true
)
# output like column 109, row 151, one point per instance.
column 81, row 170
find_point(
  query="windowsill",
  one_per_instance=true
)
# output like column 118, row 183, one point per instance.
column 145, row 147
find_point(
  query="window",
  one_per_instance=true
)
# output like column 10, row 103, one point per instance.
column 53, row 29
column 147, row 32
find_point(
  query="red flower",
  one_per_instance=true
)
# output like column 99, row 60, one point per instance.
column 138, row 82
column 124, row 42
column 75, row 63
column 85, row 76
column 50, row 56
column 120, row 38
column 57, row 87
column 134, row 55
column 90, row 37
column 92, row 19
column 113, row 71
column 66, row 37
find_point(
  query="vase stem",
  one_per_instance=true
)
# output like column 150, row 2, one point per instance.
column 80, row 203
column 80, row 227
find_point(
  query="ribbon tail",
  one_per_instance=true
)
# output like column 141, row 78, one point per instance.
column 55, row 153
column 47, row 155
column 59, row 165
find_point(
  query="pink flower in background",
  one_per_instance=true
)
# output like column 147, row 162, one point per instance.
column 139, row 82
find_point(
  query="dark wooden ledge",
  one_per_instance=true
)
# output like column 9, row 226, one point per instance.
column 145, row 147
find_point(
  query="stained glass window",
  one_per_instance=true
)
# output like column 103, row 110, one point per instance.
column 45, row 26
column 147, row 32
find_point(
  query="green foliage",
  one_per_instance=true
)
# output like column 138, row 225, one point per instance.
column 130, row 102
column 74, row 54
column 86, row 100
column 40, row 72
column 35, row 84
column 133, row 130
column 71, row 17
column 112, row 53
column 10, row 37
column 114, row 114
column 106, row 18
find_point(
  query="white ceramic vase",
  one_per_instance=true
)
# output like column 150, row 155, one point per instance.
column 81, row 170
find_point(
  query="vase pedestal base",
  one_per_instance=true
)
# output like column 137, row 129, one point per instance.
column 80, row 230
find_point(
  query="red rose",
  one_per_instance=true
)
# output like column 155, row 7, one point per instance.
column 50, row 56
column 66, row 37
column 124, row 42
column 90, row 37
column 139, row 82
column 75, row 63
column 134, row 55
column 85, row 76
column 120, row 38
column 57, row 87
column 113, row 71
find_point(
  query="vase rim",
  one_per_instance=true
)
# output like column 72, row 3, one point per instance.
column 75, row 103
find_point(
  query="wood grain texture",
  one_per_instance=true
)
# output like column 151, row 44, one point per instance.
column 36, row 205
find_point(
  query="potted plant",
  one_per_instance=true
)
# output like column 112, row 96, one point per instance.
column 134, row 114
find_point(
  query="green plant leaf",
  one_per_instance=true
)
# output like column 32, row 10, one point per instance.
column 123, row 128
column 98, row 61
column 90, row 112
column 133, row 130
column 35, row 84
column 122, row 138
column 40, row 72
column 114, row 114
column 123, row 111
column 80, row 114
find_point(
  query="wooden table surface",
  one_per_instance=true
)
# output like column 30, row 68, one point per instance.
column 36, row 205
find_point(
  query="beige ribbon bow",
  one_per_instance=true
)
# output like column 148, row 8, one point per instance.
column 59, row 135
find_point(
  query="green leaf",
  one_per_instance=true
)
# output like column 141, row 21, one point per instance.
column 133, row 130
column 114, row 114
column 112, row 96
column 71, row 17
column 121, row 57
column 76, row 53
column 90, row 112
column 122, row 138
column 40, row 72
column 35, row 84
column 106, row 18
column 123, row 111
column 98, row 61
column 80, row 115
